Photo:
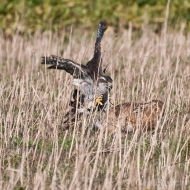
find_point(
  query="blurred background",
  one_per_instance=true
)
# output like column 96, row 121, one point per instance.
column 29, row 16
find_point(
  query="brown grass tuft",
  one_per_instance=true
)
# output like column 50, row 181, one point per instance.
column 35, row 152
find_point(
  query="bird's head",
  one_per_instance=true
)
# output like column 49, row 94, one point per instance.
column 105, row 80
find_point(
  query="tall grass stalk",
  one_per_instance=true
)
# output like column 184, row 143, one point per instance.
column 35, row 151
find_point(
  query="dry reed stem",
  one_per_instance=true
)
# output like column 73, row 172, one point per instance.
column 35, row 151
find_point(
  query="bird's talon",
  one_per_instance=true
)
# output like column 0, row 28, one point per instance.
column 99, row 101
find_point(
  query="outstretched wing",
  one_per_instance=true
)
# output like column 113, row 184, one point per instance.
column 75, row 69
column 95, row 64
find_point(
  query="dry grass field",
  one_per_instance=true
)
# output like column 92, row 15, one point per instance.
column 35, row 151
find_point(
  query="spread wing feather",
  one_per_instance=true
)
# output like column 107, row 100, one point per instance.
column 95, row 64
column 75, row 69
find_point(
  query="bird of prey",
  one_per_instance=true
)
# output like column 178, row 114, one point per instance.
column 130, row 116
column 93, row 84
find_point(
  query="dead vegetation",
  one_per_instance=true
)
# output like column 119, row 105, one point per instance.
column 35, row 151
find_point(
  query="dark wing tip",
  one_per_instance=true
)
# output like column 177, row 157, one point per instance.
column 50, row 59
column 43, row 60
column 101, row 28
column 52, row 67
column 103, row 24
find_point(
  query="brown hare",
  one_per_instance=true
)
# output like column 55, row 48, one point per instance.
column 130, row 116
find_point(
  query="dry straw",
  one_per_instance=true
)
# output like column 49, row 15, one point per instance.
column 35, row 151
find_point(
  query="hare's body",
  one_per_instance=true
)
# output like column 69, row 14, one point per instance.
column 130, row 116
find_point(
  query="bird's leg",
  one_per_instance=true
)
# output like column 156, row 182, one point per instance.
column 98, row 101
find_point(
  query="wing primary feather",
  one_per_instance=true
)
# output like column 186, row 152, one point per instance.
column 95, row 64
column 68, row 65
column 101, row 29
